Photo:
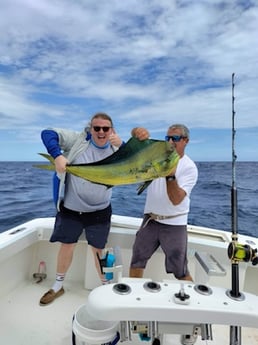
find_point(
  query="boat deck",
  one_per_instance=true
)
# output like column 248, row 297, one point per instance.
column 23, row 320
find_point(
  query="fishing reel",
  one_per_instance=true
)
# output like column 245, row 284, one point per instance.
column 242, row 252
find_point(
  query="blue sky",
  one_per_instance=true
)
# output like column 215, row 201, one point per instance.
column 147, row 63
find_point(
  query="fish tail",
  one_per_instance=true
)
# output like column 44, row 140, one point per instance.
column 46, row 166
column 48, row 157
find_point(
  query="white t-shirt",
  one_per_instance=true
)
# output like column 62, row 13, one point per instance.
column 158, row 202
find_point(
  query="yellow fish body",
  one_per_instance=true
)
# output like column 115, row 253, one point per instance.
column 135, row 162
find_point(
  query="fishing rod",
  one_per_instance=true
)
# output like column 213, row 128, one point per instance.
column 234, row 210
column 236, row 252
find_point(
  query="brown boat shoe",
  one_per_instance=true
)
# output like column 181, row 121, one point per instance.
column 50, row 296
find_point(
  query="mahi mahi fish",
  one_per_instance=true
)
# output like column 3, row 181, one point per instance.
column 135, row 162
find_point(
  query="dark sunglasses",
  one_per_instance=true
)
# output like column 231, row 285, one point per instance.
column 98, row 128
column 174, row 138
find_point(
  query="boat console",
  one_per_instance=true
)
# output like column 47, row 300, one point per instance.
column 155, row 308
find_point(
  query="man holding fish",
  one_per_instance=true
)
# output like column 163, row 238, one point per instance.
column 166, row 211
column 84, row 205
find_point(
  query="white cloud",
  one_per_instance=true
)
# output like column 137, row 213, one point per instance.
column 145, row 62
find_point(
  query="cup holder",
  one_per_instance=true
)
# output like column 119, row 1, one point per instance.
column 122, row 289
column 203, row 289
column 152, row 286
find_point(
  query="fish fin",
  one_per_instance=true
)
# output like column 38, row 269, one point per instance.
column 131, row 147
column 48, row 157
column 143, row 186
column 44, row 166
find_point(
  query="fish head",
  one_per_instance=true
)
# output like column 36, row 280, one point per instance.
column 160, row 159
column 173, row 158
column 168, row 160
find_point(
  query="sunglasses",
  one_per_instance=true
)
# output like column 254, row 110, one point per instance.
column 174, row 138
column 98, row 128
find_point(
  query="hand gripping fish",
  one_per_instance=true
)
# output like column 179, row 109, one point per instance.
column 135, row 162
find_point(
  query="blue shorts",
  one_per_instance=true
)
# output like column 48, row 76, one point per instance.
column 70, row 224
column 171, row 238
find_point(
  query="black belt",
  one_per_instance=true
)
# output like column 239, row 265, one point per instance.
column 79, row 213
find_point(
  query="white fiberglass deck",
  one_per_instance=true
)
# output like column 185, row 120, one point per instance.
column 24, row 322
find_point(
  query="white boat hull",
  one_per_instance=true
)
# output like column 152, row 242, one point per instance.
column 24, row 322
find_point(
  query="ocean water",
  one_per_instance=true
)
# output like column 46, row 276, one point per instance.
column 26, row 193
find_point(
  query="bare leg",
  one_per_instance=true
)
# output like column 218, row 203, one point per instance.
column 96, row 251
column 136, row 272
column 188, row 277
column 65, row 257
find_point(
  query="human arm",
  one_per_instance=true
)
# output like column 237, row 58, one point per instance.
column 181, row 182
column 50, row 139
column 175, row 193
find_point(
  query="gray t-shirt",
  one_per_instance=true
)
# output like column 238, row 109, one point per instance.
column 82, row 195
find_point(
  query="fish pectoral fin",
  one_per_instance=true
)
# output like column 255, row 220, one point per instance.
column 143, row 186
